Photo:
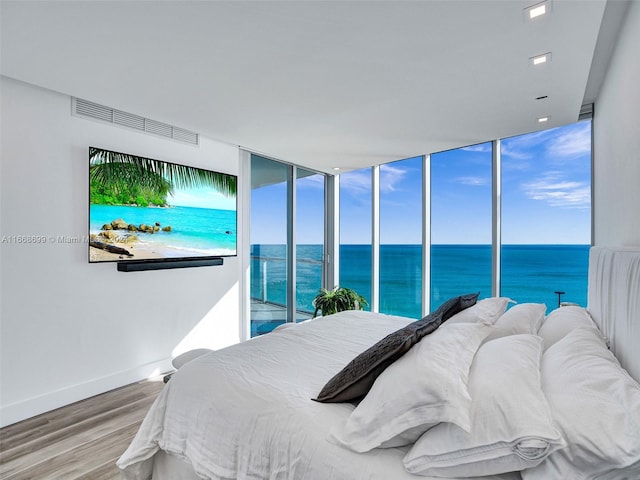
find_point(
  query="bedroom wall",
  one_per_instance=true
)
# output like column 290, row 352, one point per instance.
column 617, row 142
column 71, row 329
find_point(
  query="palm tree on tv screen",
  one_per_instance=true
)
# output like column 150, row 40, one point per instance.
column 160, row 178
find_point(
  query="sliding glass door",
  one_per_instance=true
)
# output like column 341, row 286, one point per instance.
column 269, row 282
column 287, row 242
column 309, row 239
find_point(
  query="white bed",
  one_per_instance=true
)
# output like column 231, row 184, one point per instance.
column 247, row 412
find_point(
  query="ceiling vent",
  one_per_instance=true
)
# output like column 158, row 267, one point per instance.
column 586, row 111
column 86, row 109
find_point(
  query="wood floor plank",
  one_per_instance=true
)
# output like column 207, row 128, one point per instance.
column 107, row 471
column 60, row 418
column 81, row 441
column 64, row 441
column 81, row 460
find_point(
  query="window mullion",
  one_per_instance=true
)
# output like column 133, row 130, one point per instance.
column 332, row 231
column 496, row 209
column 291, row 244
column 375, row 238
column 426, row 234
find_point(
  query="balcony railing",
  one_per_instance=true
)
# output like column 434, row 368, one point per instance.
column 272, row 275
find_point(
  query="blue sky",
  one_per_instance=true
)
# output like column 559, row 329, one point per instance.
column 269, row 212
column 202, row 198
column 545, row 196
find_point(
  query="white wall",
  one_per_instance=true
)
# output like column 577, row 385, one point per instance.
column 71, row 329
column 617, row 142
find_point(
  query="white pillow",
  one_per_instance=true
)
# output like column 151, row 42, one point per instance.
column 521, row 318
column 426, row 386
column 487, row 310
column 596, row 405
column 562, row 321
column 511, row 423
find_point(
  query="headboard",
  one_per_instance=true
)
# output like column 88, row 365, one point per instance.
column 614, row 301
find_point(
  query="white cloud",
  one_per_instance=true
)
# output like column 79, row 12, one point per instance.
column 482, row 148
column 515, row 151
column 313, row 181
column 558, row 192
column 390, row 176
column 557, row 143
column 474, row 181
column 357, row 182
column 572, row 142
column 520, row 147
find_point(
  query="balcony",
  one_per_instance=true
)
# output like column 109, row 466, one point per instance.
column 268, row 290
column 266, row 316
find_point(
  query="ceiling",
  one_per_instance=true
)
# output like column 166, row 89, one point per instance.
column 321, row 84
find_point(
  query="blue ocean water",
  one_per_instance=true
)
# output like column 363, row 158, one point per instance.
column 530, row 273
column 193, row 230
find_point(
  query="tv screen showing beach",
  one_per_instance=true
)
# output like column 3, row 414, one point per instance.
column 145, row 209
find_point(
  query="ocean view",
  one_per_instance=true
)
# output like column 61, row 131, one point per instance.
column 530, row 273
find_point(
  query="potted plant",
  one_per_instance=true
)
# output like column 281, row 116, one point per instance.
column 337, row 300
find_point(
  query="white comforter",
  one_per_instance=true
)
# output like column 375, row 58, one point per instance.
column 246, row 412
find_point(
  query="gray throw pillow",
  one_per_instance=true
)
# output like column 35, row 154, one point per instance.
column 357, row 377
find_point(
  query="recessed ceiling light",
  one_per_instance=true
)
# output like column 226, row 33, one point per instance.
column 337, row 169
column 537, row 10
column 540, row 59
column 543, row 119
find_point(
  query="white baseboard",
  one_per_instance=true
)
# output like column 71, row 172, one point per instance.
column 30, row 407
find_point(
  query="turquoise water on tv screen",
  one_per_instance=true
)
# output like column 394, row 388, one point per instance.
column 194, row 231
column 530, row 273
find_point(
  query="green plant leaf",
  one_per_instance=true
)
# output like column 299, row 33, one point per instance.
column 337, row 300
column 159, row 177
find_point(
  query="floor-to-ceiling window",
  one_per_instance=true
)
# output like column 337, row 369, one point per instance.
column 537, row 216
column 401, row 237
column 287, row 248
column 355, row 231
column 268, row 265
column 546, row 215
column 309, row 236
column 461, row 213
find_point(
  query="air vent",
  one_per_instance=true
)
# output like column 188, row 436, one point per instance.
column 128, row 120
column 94, row 110
column 185, row 135
column 586, row 111
column 158, row 128
column 84, row 108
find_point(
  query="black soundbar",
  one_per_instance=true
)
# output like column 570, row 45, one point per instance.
column 168, row 263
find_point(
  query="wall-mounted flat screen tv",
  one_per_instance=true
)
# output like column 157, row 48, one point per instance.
column 141, row 209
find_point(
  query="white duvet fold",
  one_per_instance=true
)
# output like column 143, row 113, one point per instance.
column 245, row 412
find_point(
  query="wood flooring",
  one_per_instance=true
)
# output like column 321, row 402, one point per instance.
column 79, row 441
